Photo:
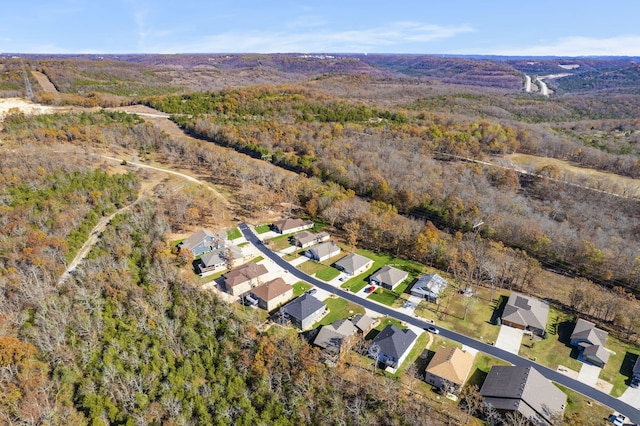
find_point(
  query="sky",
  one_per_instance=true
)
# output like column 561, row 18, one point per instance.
column 463, row 27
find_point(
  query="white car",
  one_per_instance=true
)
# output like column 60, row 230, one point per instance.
column 432, row 329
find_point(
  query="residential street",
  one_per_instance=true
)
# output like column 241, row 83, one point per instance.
column 616, row 404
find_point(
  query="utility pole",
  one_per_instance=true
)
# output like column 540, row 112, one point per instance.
column 27, row 83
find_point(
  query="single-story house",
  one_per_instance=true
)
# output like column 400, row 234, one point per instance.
column 202, row 242
column 363, row 323
column 429, row 286
column 526, row 391
column 391, row 346
column 306, row 239
column 388, row 277
column 335, row 339
column 354, row 264
column 323, row 251
column 289, row 226
column 449, row 366
column 526, row 313
column 241, row 280
column 217, row 259
column 272, row 294
column 305, row 310
column 590, row 341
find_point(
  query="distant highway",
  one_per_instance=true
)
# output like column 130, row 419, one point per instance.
column 614, row 403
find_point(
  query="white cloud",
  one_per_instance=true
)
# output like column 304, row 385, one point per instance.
column 577, row 46
column 391, row 38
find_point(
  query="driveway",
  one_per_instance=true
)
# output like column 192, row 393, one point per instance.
column 631, row 396
column 509, row 339
column 411, row 304
column 589, row 374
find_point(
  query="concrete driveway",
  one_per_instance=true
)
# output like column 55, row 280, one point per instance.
column 589, row 374
column 509, row 339
column 631, row 396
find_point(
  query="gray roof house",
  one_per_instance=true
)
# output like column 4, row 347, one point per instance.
column 322, row 252
column 288, row 226
column 636, row 368
column 217, row 258
column 306, row 239
column 392, row 345
column 203, row 241
column 429, row 286
column 336, row 338
column 388, row 277
column 363, row 323
column 526, row 313
column 305, row 310
column 526, row 391
column 354, row 264
column 590, row 341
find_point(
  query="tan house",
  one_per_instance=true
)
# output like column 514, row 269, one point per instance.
column 306, row 239
column 289, row 226
column 244, row 278
column 335, row 339
column 272, row 294
column 388, row 277
column 353, row 264
column 449, row 369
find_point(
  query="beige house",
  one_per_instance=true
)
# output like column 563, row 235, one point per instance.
column 353, row 264
column 244, row 278
column 289, row 226
column 272, row 294
column 449, row 369
column 306, row 239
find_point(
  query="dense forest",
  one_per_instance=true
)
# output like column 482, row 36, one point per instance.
column 403, row 164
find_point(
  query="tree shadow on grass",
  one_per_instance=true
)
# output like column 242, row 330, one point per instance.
column 626, row 369
column 477, row 378
column 423, row 361
column 565, row 329
column 498, row 309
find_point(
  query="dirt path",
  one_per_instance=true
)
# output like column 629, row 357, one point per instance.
column 44, row 82
column 93, row 240
column 175, row 173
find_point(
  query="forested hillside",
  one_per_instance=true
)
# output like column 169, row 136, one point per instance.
column 396, row 155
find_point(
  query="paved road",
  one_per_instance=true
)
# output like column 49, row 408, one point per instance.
column 632, row 412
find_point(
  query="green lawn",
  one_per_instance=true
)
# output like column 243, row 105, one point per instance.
column 327, row 274
column 620, row 365
column 246, row 243
column 582, row 410
column 257, row 259
column 234, row 233
column 554, row 350
column 418, row 348
column 261, row 229
column 388, row 320
column 300, row 287
column 279, row 243
column 339, row 309
column 384, row 296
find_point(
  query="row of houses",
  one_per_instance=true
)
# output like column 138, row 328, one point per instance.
column 531, row 314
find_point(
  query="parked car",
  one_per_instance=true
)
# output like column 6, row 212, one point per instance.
column 370, row 289
column 635, row 382
column 432, row 329
column 342, row 278
column 312, row 291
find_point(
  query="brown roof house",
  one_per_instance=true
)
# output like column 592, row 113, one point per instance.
column 590, row 341
column 244, row 278
column 272, row 294
column 449, row 369
column 336, row 338
column 525, row 391
column 305, row 310
column 306, row 239
column 354, row 264
column 289, row 226
column 526, row 313
column 323, row 251
column 388, row 277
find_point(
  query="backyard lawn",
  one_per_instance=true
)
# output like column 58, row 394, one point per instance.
column 339, row 308
column 278, row 243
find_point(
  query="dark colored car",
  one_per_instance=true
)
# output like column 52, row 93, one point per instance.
column 312, row 291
